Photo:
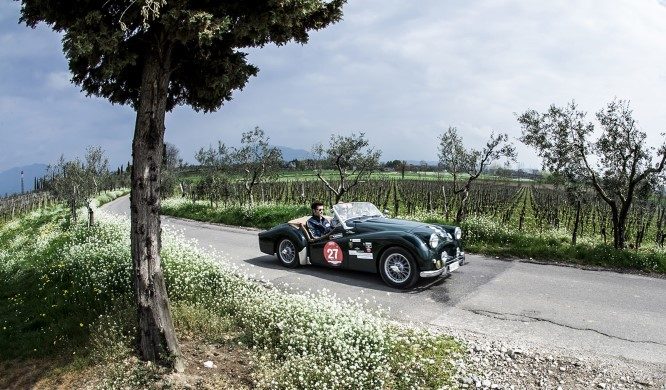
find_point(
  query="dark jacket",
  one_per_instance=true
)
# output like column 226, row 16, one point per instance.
column 319, row 227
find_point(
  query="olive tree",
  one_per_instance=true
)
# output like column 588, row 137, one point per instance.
column 215, row 163
column 77, row 182
column 171, row 156
column 457, row 160
column 170, row 161
column 351, row 158
column 214, row 158
column 65, row 183
column 256, row 160
column 155, row 55
column 617, row 164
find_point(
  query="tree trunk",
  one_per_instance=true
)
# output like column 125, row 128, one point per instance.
column 91, row 214
column 338, row 195
column 460, row 215
column 618, row 230
column 157, row 338
column 574, row 235
column 446, row 206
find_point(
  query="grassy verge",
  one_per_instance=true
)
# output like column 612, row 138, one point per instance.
column 262, row 216
column 65, row 294
column 481, row 235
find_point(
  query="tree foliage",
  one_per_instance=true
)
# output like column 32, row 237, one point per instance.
column 214, row 158
column 617, row 164
column 351, row 157
column 458, row 160
column 77, row 182
column 106, row 42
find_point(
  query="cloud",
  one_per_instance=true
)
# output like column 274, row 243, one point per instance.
column 400, row 73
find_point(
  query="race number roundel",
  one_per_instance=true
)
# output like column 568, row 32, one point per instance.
column 333, row 253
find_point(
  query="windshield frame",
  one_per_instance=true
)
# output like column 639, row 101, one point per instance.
column 350, row 210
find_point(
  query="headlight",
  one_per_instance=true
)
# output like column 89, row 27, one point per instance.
column 458, row 233
column 434, row 240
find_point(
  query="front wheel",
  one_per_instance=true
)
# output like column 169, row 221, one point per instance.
column 287, row 253
column 397, row 268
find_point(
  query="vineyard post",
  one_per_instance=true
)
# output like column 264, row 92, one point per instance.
column 429, row 202
column 396, row 201
column 521, row 219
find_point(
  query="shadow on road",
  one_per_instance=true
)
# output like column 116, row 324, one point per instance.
column 364, row 280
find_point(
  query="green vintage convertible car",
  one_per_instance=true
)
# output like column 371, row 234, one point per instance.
column 363, row 239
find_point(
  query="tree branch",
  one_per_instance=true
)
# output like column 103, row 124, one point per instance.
column 596, row 185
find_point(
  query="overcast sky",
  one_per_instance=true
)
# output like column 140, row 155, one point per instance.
column 400, row 71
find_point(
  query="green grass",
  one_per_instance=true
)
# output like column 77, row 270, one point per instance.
column 66, row 290
column 483, row 235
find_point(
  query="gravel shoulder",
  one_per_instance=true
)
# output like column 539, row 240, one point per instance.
column 498, row 364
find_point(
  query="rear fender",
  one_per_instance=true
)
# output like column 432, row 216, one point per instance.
column 294, row 235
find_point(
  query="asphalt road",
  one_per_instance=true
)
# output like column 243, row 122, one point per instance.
column 578, row 311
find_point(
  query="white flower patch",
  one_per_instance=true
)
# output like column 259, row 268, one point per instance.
column 306, row 340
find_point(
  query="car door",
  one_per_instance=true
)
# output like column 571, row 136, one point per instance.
column 332, row 251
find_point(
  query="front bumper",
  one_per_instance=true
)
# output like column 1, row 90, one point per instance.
column 452, row 263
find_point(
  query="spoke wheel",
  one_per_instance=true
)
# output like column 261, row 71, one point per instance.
column 397, row 268
column 287, row 253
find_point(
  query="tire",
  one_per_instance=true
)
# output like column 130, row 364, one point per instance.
column 287, row 253
column 398, row 268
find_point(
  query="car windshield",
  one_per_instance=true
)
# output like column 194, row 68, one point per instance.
column 347, row 211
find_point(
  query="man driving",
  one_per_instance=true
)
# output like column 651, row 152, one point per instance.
column 318, row 226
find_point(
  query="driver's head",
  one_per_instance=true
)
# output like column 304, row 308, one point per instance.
column 317, row 209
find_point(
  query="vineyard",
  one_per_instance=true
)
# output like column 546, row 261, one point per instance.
column 518, row 206
column 14, row 206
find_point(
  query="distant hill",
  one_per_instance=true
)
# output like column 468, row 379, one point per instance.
column 10, row 180
column 289, row 154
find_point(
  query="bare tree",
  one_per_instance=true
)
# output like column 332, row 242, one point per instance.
column 617, row 165
column 351, row 158
column 457, row 160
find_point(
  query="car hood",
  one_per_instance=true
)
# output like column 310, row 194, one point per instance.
column 389, row 224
